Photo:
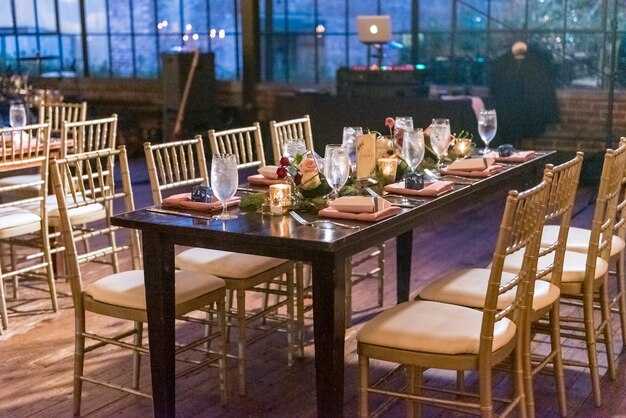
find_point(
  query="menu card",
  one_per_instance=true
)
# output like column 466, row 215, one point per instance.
column 365, row 156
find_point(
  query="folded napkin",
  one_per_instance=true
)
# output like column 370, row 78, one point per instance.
column 183, row 201
column 359, row 204
column 269, row 172
column 436, row 188
column 471, row 164
column 367, row 217
column 489, row 171
column 259, row 179
column 516, row 157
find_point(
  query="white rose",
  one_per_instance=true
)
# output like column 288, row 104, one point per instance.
column 310, row 180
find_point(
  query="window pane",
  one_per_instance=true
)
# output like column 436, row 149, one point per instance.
column 226, row 60
column 195, row 14
column 99, row 64
column 72, row 54
column 25, row 16
column 145, row 56
column 96, row 13
column 49, row 50
column 583, row 14
column 545, row 14
column 508, row 14
column 472, row 14
column 46, row 15
column 168, row 13
column 6, row 19
column 121, row 56
column 436, row 16
column 119, row 17
column 70, row 23
column 332, row 15
column 143, row 16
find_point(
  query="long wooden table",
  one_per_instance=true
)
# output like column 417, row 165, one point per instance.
column 325, row 249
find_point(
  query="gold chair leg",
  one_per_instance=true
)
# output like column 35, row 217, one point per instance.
column 3, row 305
column 241, row 340
column 557, row 360
column 47, row 256
column 605, row 311
column 621, row 288
column 137, row 341
column 300, row 307
column 291, row 329
column 363, row 386
column 221, row 318
column 592, row 353
column 79, row 361
column 414, row 374
column 527, row 372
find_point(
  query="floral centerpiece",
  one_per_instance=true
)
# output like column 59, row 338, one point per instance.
column 304, row 174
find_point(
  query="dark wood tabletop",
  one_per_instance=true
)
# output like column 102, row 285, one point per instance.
column 281, row 236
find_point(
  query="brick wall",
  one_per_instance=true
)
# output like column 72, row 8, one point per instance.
column 582, row 122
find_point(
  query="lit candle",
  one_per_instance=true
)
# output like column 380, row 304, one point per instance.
column 388, row 167
column 280, row 193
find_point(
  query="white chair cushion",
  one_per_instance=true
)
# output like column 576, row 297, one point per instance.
column 468, row 287
column 573, row 265
column 577, row 239
column 14, row 217
column 432, row 327
column 225, row 264
column 127, row 288
column 80, row 215
column 22, row 179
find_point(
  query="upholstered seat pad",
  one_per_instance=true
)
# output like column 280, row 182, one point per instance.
column 577, row 239
column 432, row 327
column 78, row 215
column 573, row 265
column 225, row 264
column 127, row 288
column 21, row 179
column 12, row 217
column 468, row 287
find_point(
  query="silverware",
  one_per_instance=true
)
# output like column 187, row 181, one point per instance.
column 433, row 176
column 177, row 213
column 375, row 195
column 322, row 224
column 248, row 190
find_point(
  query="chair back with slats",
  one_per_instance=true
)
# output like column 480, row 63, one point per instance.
column 175, row 164
column 246, row 143
column 87, row 136
column 283, row 131
column 86, row 179
column 58, row 113
column 520, row 230
column 22, row 148
column 559, row 211
column 619, row 228
column 605, row 209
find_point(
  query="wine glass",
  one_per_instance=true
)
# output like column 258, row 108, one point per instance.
column 17, row 115
column 487, row 127
column 349, row 142
column 293, row 147
column 336, row 167
column 440, row 138
column 402, row 123
column 224, row 181
column 413, row 148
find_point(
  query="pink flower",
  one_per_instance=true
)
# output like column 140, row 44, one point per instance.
column 308, row 165
column 281, row 172
column 390, row 122
column 284, row 161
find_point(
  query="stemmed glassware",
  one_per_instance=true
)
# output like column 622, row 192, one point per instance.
column 413, row 148
column 224, row 181
column 487, row 127
column 336, row 167
column 349, row 142
column 402, row 123
column 17, row 115
column 440, row 138
column 293, row 147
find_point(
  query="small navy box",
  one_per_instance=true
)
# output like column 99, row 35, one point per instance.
column 414, row 181
column 201, row 194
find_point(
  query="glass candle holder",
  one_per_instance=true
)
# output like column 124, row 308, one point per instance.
column 388, row 167
column 280, row 193
column 463, row 147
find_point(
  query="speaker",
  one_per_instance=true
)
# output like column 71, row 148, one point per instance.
column 176, row 68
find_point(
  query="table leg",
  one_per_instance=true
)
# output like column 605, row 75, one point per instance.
column 329, row 298
column 158, row 260
column 404, row 251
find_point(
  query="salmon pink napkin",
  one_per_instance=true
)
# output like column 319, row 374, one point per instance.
column 436, row 188
column 516, row 157
column 489, row 171
column 183, row 201
column 367, row 217
column 260, row 179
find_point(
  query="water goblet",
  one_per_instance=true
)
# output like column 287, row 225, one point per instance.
column 487, row 127
column 349, row 142
column 224, row 181
column 336, row 167
column 402, row 123
column 293, row 147
column 17, row 115
column 413, row 148
column 440, row 138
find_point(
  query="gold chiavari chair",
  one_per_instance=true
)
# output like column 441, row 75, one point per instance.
column 23, row 224
column 181, row 164
column 468, row 287
column 246, row 143
column 56, row 114
column 423, row 334
column 87, row 179
column 300, row 128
